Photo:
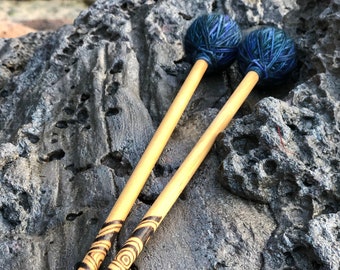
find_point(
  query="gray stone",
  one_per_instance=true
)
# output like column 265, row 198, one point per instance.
column 79, row 105
column 291, row 151
column 324, row 233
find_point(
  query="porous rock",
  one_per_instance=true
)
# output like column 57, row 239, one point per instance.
column 291, row 150
column 79, row 105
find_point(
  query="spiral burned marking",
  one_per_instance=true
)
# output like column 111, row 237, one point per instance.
column 101, row 245
column 133, row 247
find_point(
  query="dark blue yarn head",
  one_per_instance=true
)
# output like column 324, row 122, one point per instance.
column 269, row 52
column 213, row 38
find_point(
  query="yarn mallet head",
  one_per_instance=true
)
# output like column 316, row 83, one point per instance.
column 212, row 41
column 269, row 52
column 213, row 38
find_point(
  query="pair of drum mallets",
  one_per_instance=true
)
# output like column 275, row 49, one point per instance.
column 212, row 41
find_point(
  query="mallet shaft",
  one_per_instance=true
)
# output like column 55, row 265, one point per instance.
column 137, row 180
column 154, row 216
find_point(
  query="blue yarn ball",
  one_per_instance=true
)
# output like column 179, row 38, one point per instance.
column 269, row 52
column 213, row 38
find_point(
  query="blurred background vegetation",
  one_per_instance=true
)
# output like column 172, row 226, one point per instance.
column 38, row 14
column 23, row 10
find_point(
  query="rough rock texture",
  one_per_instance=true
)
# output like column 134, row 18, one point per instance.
column 291, row 151
column 79, row 105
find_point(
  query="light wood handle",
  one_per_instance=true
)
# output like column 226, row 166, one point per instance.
column 137, row 180
column 181, row 178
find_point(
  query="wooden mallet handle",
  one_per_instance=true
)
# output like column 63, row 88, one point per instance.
column 137, row 180
column 154, row 216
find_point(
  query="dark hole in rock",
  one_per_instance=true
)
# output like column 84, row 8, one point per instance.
column 62, row 57
column 102, row 32
column 183, row 196
column 61, row 124
column 117, row 67
column 115, row 36
column 4, row 93
column 292, row 127
column 118, row 163
column 113, row 88
column 308, row 122
column 158, row 170
column 308, row 180
column 279, row 90
column 214, row 6
column 289, row 259
column 243, row 144
column 10, row 214
column 68, row 50
column 94, row 37
column 24, row 151
column 76, row 36
column 87, row 127
column 73, row 216
column 127, row 6
column 67, row 70
column 84, row 97
column 238, row 180
column 82, row 115
column 69, row 110
column 288, row 188
column 90, row 47
column 330, row 202
column 112, row 111
column 270, row 167
column 180, row 62
column 335, row 163
column 148, row 199
column 134, row 267
column 124, row 6
column 75, row 170
column 304, row 258
column 25, row 201
column 54, row 155
column 11, row 68
column 185, row 16
column 32, row 137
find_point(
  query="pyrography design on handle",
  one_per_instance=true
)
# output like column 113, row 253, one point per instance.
column 101, row 245
column 211, row 42
column 276, row 58
column 133, row 247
